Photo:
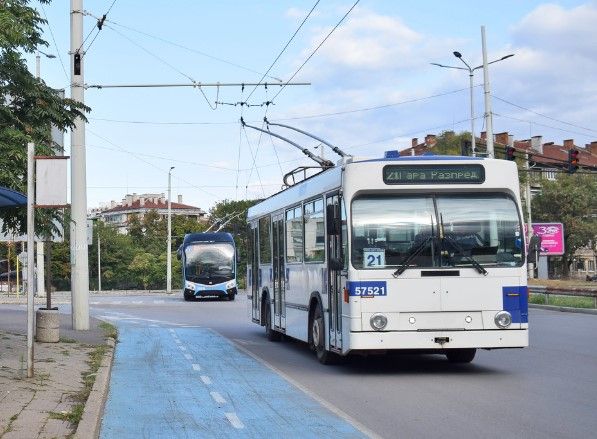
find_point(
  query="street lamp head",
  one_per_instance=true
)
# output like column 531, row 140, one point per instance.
column 171, row 168
column 457, row 54
column 506, row 57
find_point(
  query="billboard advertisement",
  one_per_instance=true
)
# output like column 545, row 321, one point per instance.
column 552, row 238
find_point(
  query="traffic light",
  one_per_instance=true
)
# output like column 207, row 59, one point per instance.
column 510, row 153
column 572, row 160
column 466, row 147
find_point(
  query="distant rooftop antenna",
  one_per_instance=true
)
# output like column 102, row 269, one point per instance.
column 325, row 164
column 334, row 148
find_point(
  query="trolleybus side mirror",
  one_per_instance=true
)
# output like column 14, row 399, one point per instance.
column 333, row 220
column 534, row 245
column 336, row 264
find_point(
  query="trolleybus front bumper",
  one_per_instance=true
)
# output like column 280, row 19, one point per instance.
column 394, row 340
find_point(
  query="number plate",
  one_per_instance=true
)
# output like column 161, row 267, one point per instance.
column 368, row 289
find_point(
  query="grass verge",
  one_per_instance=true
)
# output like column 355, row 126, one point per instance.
column 569, row 301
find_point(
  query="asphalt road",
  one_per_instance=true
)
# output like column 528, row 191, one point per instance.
column 547, row 390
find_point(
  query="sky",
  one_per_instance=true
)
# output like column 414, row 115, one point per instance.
column 372, row 87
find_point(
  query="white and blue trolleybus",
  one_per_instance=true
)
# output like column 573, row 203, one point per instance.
column 208, row 265
column 417, row 253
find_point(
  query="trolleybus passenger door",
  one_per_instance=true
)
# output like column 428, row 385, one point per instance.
column 254, row 279
column 278, row 271
column 335, row 265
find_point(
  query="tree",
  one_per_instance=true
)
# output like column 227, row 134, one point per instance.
column 28, row 107
column 571, row 200
column 236, row 212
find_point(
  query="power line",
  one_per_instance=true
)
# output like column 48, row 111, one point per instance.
column 54, row 40
column 192, row 50
column 317, row 48
column 541, row 124
column 285, row 47
column 544, row 115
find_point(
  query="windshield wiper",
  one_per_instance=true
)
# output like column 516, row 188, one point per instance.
column 411, row 255
column 458, row 247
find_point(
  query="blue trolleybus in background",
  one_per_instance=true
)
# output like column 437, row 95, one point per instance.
column 208, row 265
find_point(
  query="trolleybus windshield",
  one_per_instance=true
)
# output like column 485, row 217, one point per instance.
column 209, row 261
column 436, row 230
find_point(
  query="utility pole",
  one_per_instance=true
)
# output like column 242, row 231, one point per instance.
column 78, row 227
column 169, row 249
column 530, row 265
column 99, row 263
column 488, row 116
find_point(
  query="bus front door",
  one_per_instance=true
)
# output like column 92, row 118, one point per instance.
column 279, row 272
column 254, row 278
column 335, row 266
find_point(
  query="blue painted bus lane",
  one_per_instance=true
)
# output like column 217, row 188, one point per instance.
column 194, row 383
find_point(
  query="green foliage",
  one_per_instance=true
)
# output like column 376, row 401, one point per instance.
column 571, row 200
column 449, row 143
column 28, row 108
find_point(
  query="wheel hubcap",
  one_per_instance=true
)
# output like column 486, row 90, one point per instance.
column 316, row 332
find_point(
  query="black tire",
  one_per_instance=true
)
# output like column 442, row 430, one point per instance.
column 270, row 333
column 317, row 329
column 188, row 298
column 461, row 355
column 231, row 297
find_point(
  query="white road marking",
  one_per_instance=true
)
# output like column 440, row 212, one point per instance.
column 137, row 302
column 188, row 356
column 196, row 367
column 116, row 302
column 171, row 330
column 177, row 340
column 234, row 420
column 217, row 397
column 182, row 348
column 94, row 303
column 206, row 380
column 157, row 302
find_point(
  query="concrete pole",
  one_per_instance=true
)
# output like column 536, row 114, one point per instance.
column 473, row 143
column 99, row 263
column 530, row 266
column 30, row 256
column 488, row 117
column 78, row 227
column 40, row 245
column 169, row 249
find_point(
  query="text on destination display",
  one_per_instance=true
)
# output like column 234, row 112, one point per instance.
column 433, row 174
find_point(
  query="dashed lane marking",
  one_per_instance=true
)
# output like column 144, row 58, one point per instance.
column 206, row 380
column 188, row 356
column 217, row 397
column 234, row 420
column 182, row 348
column 196, row 367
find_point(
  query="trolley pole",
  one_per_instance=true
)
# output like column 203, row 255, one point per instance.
column 488, row 116
column 78, row 227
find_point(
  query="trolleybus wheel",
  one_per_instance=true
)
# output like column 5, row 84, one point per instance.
column 270, row 333
column 231, row 296
column 460, row 355
column 318, row 338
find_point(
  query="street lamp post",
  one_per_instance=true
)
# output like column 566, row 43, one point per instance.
column 169, row 250
column 471, row 72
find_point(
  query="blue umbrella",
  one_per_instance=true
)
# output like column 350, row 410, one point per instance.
column 10, row 198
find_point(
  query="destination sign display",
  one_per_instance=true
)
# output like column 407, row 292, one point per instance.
column 433, row 174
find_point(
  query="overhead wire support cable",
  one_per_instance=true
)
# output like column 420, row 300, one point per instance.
column 285, row 47
column 334, row 148
column 317, row 48
column 192, row 84
column 321, row 162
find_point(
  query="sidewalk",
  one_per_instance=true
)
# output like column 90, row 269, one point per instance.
column 51, row 403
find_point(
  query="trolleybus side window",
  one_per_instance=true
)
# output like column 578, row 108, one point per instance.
column 314, row 231
column 294, row 235
column 265, row 247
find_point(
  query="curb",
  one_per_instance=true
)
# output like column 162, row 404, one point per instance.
column 89, row 426
column 564, row 309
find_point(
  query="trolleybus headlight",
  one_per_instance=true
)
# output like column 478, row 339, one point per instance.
column 189, row 285
column 231, row 284
column 503, row 319
column 378, row 321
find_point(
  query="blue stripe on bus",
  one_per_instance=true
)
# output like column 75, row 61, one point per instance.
column 516, row 303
